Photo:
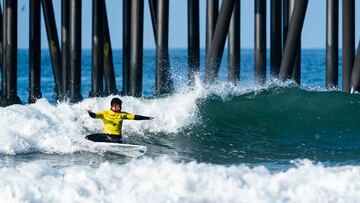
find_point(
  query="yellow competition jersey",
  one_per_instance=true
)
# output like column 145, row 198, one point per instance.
column 113, row 121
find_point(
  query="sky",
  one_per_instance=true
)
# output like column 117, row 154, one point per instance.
column 313, row 36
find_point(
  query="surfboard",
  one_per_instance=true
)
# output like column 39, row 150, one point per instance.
column 129, row 150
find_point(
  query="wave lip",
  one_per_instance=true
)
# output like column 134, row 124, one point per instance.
column 162, row 180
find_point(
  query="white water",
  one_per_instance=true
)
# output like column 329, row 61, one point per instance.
column 162, row 180
column 61, row 128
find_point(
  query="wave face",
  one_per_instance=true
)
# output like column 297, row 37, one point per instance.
column 283, row 123
column 218, row 124
column 162, row 180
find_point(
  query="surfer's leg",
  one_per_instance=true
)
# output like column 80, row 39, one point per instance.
column 98, row 137
column 115, row 138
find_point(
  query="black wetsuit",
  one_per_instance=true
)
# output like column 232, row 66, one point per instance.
column 102, row 137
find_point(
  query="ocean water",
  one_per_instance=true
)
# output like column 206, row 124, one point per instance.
column 219, row 143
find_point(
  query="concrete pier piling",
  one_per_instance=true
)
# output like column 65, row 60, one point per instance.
column 215, row 54
column 275, row 37
column 97, row 49
column 332, row 44
column 126, row 46
column 348, row 50
column 53, row 41
column 1, row 43
column 355, row 75
column 163, row 80
column 212, row 12
column 109, row 73
column 65, row 70
column 75, row 50
column 288, row 8
column 285, row 21
column 193, row 40
column 10, row 52
column 260, row 42
column 152, row 6
column 296, row 74
column 234, row 45
column 34, row 51
column 292, row 40
column 136, row 48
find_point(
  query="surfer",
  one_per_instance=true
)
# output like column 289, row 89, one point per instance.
column 113, row 120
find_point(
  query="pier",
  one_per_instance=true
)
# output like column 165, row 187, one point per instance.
column 223, row 24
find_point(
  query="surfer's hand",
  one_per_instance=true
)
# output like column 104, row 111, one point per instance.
column 89, row 111
column 91, row 114
column 151, row 118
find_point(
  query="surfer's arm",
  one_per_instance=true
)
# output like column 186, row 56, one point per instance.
column 92, row 114
column 95, row 115
column 129, row 116
column 139, row 117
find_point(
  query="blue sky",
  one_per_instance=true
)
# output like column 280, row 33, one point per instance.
column 313, row 33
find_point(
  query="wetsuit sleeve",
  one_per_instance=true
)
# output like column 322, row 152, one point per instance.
column 138, row 117
column 128, row 116
column 96, row 115
column 92, row 114
column 100, row 114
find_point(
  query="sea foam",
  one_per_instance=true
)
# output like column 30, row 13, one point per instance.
column 162, row 180
column 61, row 127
